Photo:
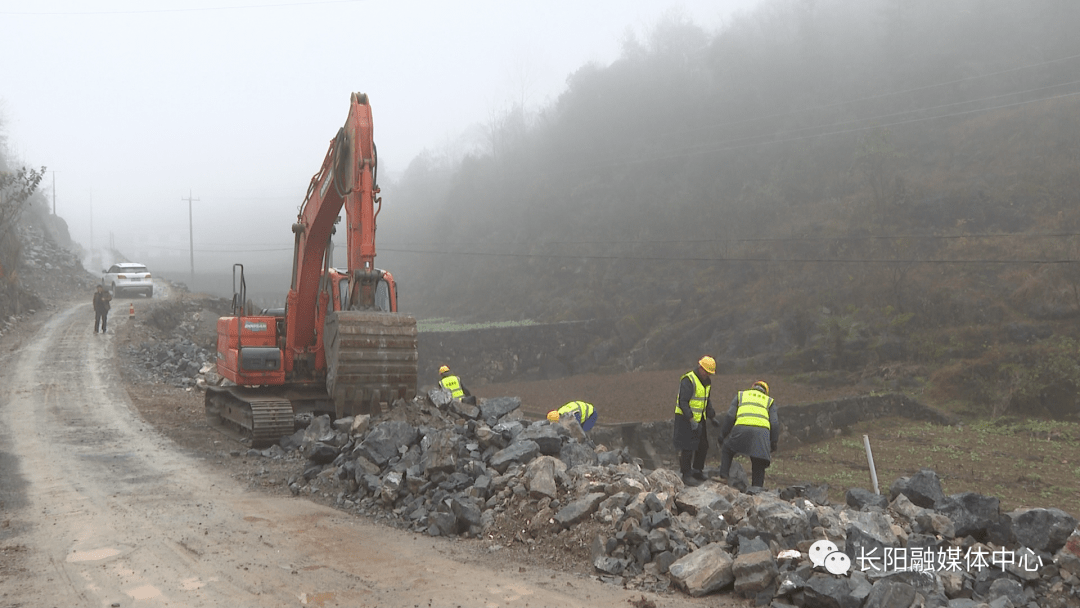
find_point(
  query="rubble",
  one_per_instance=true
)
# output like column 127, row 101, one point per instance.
column 174, row 353
column 432, row 466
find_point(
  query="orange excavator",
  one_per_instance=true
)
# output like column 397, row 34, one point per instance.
column 339, row 346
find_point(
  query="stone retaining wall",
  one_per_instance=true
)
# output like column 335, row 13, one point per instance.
column 800, row 424
column 538, row 352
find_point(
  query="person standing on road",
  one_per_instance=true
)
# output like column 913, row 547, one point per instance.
column 692, row 409
column 750, row 427
column 584, row 412
column 102, row 297
column 453, row 384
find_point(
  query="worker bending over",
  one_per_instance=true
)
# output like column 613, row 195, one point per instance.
column 584, row 412
column 453, row 384
column 750, row 427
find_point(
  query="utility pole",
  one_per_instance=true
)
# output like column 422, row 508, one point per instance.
column 191, row 238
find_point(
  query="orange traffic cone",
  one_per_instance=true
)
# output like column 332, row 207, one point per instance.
column 131, row 311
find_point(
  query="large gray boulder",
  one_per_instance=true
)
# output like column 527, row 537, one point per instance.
column 320, row 453
column 788, row 523
column 320, row 429
column 1042, row 529
column 1007, row 587
column 927, row 584
column 465, row 410
column 922, row 488
column 441, row 454
column 546, row 437
column 828, row 591
column 575, row 454
column 704, row 571
column 971, row 513
column 578, row 510
column 695, row 499
column 867, row 535
column 611, row 565
column 440, row 397
column 860, row 499
column 754, row 571
column 887, row 593
column 1068, row 557
column 498, row 407
column 442, row 523
column 540, row 476
column 382, row 443
column 520, row 452
column 466, row 511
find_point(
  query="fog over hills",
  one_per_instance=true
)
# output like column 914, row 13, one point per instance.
column 878, row 188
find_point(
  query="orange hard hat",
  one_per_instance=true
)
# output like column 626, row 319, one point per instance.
column 553, row 416
column 444, row 369
column 762, row 386
column 708, row 364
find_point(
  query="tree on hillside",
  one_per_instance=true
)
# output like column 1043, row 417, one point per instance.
column 15, row 190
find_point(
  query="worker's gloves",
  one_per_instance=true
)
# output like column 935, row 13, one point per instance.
column 695, row 425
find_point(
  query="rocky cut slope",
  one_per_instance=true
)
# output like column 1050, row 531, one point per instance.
column 48, row 277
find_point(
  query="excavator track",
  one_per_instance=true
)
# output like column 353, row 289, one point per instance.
column 252, row 418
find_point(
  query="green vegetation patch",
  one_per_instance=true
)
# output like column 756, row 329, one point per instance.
column 438, row 325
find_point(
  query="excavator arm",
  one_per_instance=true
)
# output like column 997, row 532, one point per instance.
column 346, row 179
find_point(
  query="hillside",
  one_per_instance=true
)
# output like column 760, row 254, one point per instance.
column 879, row 194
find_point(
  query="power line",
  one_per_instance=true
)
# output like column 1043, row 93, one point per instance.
column 715, row 241
column 181, row 10
column 680, row 258
column 727, row 260
column 792, row 239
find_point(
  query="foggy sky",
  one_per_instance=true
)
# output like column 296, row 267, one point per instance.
column 134, row 103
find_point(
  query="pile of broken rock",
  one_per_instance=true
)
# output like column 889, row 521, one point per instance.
column 441, row 467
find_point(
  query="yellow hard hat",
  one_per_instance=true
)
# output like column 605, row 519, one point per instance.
column 553, row 416
column 444, row 369
column 762, row 386
column 708, row 364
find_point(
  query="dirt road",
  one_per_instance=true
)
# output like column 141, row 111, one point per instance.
column 101, row 510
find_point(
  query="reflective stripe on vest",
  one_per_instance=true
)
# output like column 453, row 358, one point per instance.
column 699, row 400
column 753, row 409
column 453, row 384
column 581, row 408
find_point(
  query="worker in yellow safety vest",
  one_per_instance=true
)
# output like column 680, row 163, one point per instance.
column 453, row 384
column 583, row 411
column 692, row 408
column 750, row 427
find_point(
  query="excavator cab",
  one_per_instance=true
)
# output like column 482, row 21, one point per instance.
column 383, row 296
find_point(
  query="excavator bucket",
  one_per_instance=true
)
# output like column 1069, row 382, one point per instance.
column 370, row 360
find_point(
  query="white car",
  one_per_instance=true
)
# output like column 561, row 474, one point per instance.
column 128, row 276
